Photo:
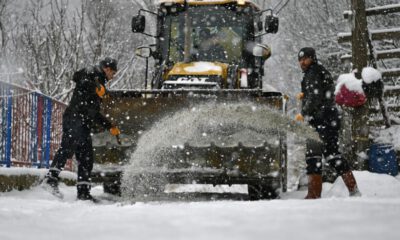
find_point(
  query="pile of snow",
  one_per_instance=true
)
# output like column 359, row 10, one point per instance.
column 351, row 83
column 370, row 75
column 17, row 171
column 371, row 185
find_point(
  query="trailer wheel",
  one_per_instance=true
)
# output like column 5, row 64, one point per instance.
column 257, row 192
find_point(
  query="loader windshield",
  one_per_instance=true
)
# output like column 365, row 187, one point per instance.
column 208, row 33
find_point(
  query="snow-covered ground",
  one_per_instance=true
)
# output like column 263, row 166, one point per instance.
column 35, row 214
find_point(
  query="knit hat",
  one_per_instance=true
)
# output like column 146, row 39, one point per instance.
column 307, row 52
column 109, row 62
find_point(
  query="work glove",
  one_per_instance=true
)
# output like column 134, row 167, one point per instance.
column 115, row 131
column 300, row 96
column 101, row 91
column 299, row 117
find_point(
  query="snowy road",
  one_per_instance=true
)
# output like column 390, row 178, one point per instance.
column 35, row 214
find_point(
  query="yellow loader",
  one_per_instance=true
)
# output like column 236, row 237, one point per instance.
column 206, row 53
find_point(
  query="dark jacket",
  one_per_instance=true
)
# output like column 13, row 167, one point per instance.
column 84, row 107
column 318, row 88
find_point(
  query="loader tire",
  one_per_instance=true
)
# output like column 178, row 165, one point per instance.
column 113, row 188
column 258, row 192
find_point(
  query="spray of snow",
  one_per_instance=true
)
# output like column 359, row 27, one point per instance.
column 223, row 124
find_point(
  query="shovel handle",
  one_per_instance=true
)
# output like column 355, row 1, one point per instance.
column 385, row 115
column 118, row 139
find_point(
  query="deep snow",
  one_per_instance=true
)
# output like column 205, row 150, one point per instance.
column 35, row 214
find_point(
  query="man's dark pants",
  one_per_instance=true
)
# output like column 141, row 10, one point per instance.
column 328, row 131
column 75, row 140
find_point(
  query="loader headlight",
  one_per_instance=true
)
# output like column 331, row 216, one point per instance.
column 262, row 50
column 244, row 78
column 241, row 2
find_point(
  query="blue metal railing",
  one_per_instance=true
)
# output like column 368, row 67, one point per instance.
column 8, row 111
column 30, row 127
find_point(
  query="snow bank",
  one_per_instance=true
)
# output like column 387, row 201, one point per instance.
column 370, row 75
column 36, row 214
column 371, row 185
column 17, row 171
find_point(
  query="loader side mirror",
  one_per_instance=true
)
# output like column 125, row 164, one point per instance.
column 271, row 24
column 138, row 24
column 144, row 52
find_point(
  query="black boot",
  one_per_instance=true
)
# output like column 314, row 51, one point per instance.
column 50, row 184
column 84, row 193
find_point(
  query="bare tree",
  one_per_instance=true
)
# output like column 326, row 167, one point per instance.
column 108, row 34
column 100, row 16
column 3, row 33
column 50, row 45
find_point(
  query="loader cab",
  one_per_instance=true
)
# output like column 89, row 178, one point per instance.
column 220, row 37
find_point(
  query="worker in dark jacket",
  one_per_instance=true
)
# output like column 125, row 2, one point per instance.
column 319, row 109
column 80, row 117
